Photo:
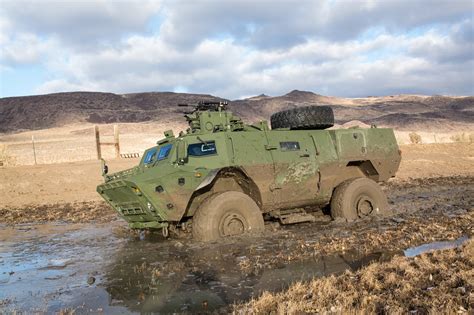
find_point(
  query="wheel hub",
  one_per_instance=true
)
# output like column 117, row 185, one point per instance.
column 364, row 206
column 233, row 224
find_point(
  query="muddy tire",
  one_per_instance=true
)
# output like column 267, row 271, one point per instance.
column 226, row 214
column 357, row 198
column 310, row 117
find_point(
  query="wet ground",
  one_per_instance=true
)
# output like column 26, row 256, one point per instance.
column 102, row 267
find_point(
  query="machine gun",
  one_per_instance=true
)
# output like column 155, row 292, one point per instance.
column 211, row 116
column 205, row 106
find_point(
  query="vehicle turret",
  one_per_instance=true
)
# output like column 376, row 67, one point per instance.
column 210, row 117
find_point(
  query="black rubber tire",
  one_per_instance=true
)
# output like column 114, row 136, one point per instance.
column 226, row 214
column 357, row 198
column 310, row 117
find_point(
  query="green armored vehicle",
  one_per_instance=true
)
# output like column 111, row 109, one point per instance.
column 221, row 177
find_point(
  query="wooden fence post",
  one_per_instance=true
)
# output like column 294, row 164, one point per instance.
column 97, row 142
column 34, row 149
column 116, row 141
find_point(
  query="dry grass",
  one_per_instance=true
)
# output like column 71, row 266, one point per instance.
column 6, row 159
column 438, row 282
column 463, row 137
column 415, row 138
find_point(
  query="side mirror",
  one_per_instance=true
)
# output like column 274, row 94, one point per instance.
column 181, row 153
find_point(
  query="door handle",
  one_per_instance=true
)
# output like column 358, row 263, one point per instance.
column 270, row 147
column 304, row 155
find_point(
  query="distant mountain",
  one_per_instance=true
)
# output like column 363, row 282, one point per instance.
column 398, row 111
column 52, row 110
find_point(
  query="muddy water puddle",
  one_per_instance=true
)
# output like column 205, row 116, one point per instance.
column 92, row 268
column 89, row 267
column 429, row 247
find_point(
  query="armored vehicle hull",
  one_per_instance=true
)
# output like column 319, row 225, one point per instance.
column 221, row 176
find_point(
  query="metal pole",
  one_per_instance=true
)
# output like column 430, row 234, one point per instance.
column 97, row 142
column 116, row 141
column 34, row 149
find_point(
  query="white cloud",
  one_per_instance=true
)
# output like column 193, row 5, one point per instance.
column 241, row 48
column 284, row 23
column 80, row 24
column 24, row 48
column 232, row 70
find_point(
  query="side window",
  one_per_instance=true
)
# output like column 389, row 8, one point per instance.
column 201, row 149
column 164, row 152
column 150, row 156
column 290, row 146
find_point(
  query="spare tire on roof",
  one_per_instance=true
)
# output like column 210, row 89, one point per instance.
column 309, row 117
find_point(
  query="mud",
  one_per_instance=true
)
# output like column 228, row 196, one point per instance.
column 104, row 267
column 76, row 212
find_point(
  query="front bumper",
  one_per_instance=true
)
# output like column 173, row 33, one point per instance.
column 131, row 204
column 148, row 225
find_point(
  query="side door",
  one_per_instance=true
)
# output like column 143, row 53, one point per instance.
column 296, row 171
column 247, row 151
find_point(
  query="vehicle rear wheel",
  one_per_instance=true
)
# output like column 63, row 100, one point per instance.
column 358, row 198
column 226, row 214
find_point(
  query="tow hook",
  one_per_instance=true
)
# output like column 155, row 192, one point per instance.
column 165, row 231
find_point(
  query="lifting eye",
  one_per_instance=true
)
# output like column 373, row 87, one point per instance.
column 181, row 181
column 159, row 189
column 137, row 191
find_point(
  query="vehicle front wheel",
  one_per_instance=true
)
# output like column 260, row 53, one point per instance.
column 226, row 214
column 358, row 198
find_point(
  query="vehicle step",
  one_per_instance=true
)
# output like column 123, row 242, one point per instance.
column 293, row 216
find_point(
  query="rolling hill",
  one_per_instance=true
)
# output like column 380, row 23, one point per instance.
column 403, row 112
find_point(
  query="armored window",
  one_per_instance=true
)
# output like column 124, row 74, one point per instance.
column 164, row 152
column 201, row 149
column 150, row 156
column 290, row 146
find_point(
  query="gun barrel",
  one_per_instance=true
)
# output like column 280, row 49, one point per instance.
column 206, row 105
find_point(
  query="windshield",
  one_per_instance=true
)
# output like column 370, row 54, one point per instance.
column 201, row 149
column 164, row 151
column 157, row 154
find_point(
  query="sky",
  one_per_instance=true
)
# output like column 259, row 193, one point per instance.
column 237, row 49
